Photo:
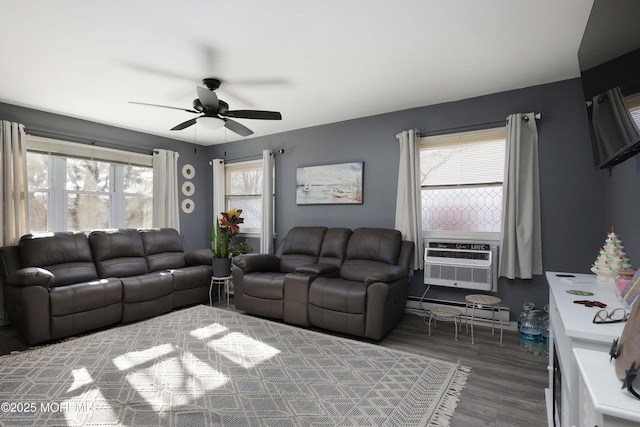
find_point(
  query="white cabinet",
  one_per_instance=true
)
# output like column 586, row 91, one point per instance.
column 602, row 402
column 571, row 327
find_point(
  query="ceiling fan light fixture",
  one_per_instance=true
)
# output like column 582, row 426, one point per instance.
column 212, row 123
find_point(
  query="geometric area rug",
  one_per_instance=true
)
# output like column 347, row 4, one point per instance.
column 204, row 366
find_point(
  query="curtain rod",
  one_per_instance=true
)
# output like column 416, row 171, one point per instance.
column 240, row 159
column 469, row 128
column 246, row 158
column 538, row 116
column 480, row 126
column 81, row 140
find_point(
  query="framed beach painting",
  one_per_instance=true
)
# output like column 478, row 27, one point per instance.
column 330, row 184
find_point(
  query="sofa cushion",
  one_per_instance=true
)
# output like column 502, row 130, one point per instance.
column 118, row 253
column 334, row 246
column 301, row 246
column 347, row 323
column 146, row 295
column 191, row 277
column 375, row 244
column 85, row 296
column 264, row 285
column 65, row 254
column 146, row 287
column 303, row 240
column 338, row 295
column 199, row 257
column 163, row 248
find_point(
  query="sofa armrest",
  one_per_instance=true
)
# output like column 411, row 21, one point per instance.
column 317, row 269
column 389, row 274
column 31, row 276
column 199, row 257
column 257, row 262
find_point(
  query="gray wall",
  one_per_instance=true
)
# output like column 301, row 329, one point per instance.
column 578, row 203
column 82, row 131
column 570, row 198
column 621, row 206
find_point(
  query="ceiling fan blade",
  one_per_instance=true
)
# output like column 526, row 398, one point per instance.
column 158, row 71
column 236, row 127
column 163, row 106
column 186, row 124
column 253, row 114
column 208, row 99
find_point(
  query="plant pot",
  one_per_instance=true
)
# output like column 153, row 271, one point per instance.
column 221, row 267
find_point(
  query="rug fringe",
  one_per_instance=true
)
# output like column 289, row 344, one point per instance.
column 449, row 401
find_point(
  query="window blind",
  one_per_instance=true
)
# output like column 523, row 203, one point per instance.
column 466, row 158
column 633, row 104
column 86, row 151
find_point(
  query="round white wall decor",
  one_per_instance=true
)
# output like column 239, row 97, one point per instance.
column 188, row 171
column 188, row 206
column 188, row 188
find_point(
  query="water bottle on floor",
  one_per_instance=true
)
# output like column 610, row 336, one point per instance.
column 530, row 333
column 526, row 308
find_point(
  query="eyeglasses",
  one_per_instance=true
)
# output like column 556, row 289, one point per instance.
column 616, row 316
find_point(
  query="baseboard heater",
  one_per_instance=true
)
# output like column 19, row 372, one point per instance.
column 481, row 315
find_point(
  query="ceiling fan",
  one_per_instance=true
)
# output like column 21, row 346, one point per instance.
column 208, row 105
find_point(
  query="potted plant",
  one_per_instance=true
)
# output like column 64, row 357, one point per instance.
column 222, row 232
column 240, row 248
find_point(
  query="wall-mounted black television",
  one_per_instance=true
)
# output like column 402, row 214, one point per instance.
column 609, row 59
column 615, row 135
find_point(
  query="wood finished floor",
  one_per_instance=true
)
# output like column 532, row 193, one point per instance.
column 505, row 387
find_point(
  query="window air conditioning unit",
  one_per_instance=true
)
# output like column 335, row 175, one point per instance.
column 466, row 265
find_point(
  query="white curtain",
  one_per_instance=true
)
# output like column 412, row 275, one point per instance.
column 166, row 206
column 521, row 241
column 266, row 234
column 13, row 182
column 219, row 203
column 408, row 199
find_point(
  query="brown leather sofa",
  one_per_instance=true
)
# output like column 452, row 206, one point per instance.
column 64, row 283
column 354, row 282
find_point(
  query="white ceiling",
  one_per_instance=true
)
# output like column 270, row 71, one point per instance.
column 315, row 62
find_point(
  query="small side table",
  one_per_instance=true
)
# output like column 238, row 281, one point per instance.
column 479, row 300
column 446, row 312
column 221, row 283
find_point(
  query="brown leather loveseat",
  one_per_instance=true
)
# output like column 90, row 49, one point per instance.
column 354, row 282
column 65, row 283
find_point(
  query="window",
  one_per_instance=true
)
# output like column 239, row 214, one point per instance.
column 461, row 180
column 78, row 187
column 243, row 182
column 633, row 104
